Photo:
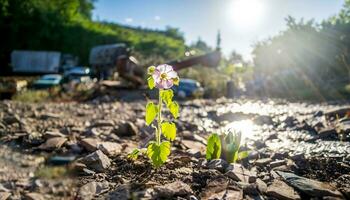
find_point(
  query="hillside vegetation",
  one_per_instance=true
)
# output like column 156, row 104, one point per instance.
column 66, row 26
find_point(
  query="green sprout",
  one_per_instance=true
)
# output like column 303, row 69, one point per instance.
column 225, row 146
column 162, row 77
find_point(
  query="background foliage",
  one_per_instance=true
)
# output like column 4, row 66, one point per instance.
column 66, row 26
column 306, row 60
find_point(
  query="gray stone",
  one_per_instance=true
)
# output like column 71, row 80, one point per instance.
column 194, row 153
column 99, row 123
column 277, row 163
column 328, row 133
column 280, row 190
column 218, row 164
column 233, row 194
column 309, row 186
column 238, row 173
column 49, row 116
column 263, row 162
column 122, row 192
column 90, row 144
column 52, row 134
column 4, row 195
column 190, row 144
column 110, row 148
column 215, row 188
column 126, row 129
column 97, row 161
column 53, row 143
column 89, row 190
column 177, row 188
column 34, row 196
column 261, row 185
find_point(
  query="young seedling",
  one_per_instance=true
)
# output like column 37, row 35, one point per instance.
column 162, row 77
column 225, row 146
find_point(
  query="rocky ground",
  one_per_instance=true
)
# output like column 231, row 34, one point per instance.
column 79, row 151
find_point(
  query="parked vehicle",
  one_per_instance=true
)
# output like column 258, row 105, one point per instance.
column 189, row 88
column 35, row 61
column 48, row 81
column 77, row 74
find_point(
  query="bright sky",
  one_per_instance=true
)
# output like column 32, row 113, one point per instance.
column 241, row 22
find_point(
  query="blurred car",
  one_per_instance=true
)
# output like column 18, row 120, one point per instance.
column 47, row 81
column 188, row 88
column 77, row 74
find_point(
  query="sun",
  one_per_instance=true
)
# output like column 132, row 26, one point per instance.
column 246, row 14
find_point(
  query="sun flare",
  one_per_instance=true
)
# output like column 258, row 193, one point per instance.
column 246, row 14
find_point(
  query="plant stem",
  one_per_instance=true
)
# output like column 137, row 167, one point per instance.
column 159, row 117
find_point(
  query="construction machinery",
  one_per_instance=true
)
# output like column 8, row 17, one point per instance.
column 105, row 60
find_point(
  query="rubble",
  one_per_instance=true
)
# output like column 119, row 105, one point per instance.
column 88, row 152
column 97, row 161
column 175, row 189
column 310, row 187
column 280, row 190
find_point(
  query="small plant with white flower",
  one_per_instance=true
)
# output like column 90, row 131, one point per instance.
column 162, row 77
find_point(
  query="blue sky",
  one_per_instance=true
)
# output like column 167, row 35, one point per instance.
column 241, row 22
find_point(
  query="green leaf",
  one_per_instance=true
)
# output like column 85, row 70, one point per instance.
column 213, row 147
column 151, row 83
column 151, row 112
column 158, row 154
column 242, row 155
column 134, row 154
column 167, row 96
column 174, row 109
column 169, row 130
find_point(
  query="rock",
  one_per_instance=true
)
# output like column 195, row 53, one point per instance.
column 263, row 162
column 325, row 134
column 290, row 121
column 11, row 119
column 4, row 195
column 90, row 144
column 126, row 129
column 177, row 188
column 277, row 163
column 233, row 194
column 280, row 190
column 52, row 134
column 249, row 189
column 89, row 190
column 110, row 148
column 310, row 187
column 189, row 144
column 215, row 189
column 49, row 115
column 122, row 192
column 2, row 188
column 263, row 119
column 279, row 156
column 238, row 173
column 102, row 122
column 97, row 161
column 53, row 143
column 261, row 185
column 194, row 153
column 34, row 196
column 218, row 164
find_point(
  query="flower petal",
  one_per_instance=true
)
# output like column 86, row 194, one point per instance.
column 172, row 74
column 156, row 75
